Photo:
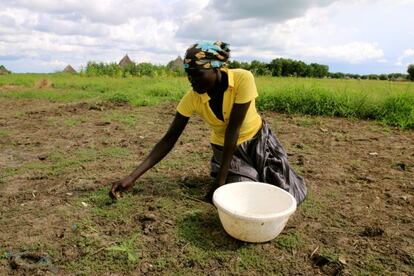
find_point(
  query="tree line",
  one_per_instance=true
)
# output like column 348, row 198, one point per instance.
column 282, row 67
column 133, row 69
column 279, row 67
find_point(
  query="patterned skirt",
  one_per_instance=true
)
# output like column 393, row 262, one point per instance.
column 261, row 159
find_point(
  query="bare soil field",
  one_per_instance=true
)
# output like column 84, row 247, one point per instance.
column 57, row 162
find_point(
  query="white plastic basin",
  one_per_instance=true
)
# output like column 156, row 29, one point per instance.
column 253, row 211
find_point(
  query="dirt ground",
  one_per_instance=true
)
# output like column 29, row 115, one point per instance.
column 57, row 160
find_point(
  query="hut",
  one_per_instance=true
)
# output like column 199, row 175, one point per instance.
column 125, row 61
column 69, row 69
column 3, row 70
column 176, row 65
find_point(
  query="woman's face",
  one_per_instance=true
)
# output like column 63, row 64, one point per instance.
column 201, row 79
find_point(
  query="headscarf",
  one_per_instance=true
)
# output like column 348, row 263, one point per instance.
column 206, row 55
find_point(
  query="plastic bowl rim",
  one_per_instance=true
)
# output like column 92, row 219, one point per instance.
column 285, row 213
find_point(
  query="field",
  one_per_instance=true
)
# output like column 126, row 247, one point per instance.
column 63, row 140
column 389, row 102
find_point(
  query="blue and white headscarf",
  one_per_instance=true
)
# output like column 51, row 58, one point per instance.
column 206, row 55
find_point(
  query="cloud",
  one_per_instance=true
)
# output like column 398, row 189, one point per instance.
column 55, row 63
column 63, row 26
column 407, row 54
column 298, row 38
column 109, row 12
column 354, row 52
column 324, row 31
column 269, row 10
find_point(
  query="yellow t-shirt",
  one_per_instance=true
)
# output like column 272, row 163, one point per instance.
column 241, row 89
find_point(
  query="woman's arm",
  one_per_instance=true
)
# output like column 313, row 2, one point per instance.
column 159, row 151
column 238, row 113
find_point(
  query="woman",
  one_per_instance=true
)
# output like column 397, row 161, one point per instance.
column 244, row 148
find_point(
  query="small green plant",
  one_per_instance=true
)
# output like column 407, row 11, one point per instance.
column 126, row 247
column 119, row 98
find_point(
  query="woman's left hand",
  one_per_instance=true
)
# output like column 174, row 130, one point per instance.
column 209, row 196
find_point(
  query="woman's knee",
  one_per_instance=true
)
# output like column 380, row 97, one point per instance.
column 237, row 178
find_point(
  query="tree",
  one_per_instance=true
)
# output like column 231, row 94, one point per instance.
column 275, row 67
column 410, row 72
column 383, row 77
column 259, row 68
column 319, row 70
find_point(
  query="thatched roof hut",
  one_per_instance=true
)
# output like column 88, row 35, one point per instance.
column 3, row 70
column 69, row 69
column 125, row 61
column 176, row 64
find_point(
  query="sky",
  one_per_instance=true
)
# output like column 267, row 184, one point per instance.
column 350, row 36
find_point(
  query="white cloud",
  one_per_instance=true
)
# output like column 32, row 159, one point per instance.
column 406, row 58
column 73, row 31
column 103, row 11
column 354, row 52
column 53, row 63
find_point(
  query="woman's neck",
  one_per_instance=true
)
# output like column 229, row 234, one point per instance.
column 220, row 86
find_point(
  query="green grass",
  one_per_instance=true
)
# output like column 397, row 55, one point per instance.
column 103, row 252
column 206, row 240
column 5, row 133
column 288, row 241
column 59, row 162
column 389, row 102
column 128, row 120
column 102, row 206
column 126, row 247
column 73, row 122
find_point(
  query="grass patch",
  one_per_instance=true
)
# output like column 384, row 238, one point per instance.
column 118, row 98
column 126, row 248
column 206, row 240
column 306, row 122
column 104, row 207
column 59, row 162
column 129, row 120
column 5, row 133
column 249, row 258
column 102, row 251
column 389, row 102
column 311, row 207
column 114, row 152
column 329, row 254
column 90, row 262
column 73, row 122
column 288, row 241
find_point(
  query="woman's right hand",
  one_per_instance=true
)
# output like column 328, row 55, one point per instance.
column 118, row 187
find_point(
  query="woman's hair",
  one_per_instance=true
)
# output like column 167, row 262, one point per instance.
column 206, row 54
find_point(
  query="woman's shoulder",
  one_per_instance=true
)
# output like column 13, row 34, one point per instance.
column 191, row 96
column 240, row 71
column 240, row 74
